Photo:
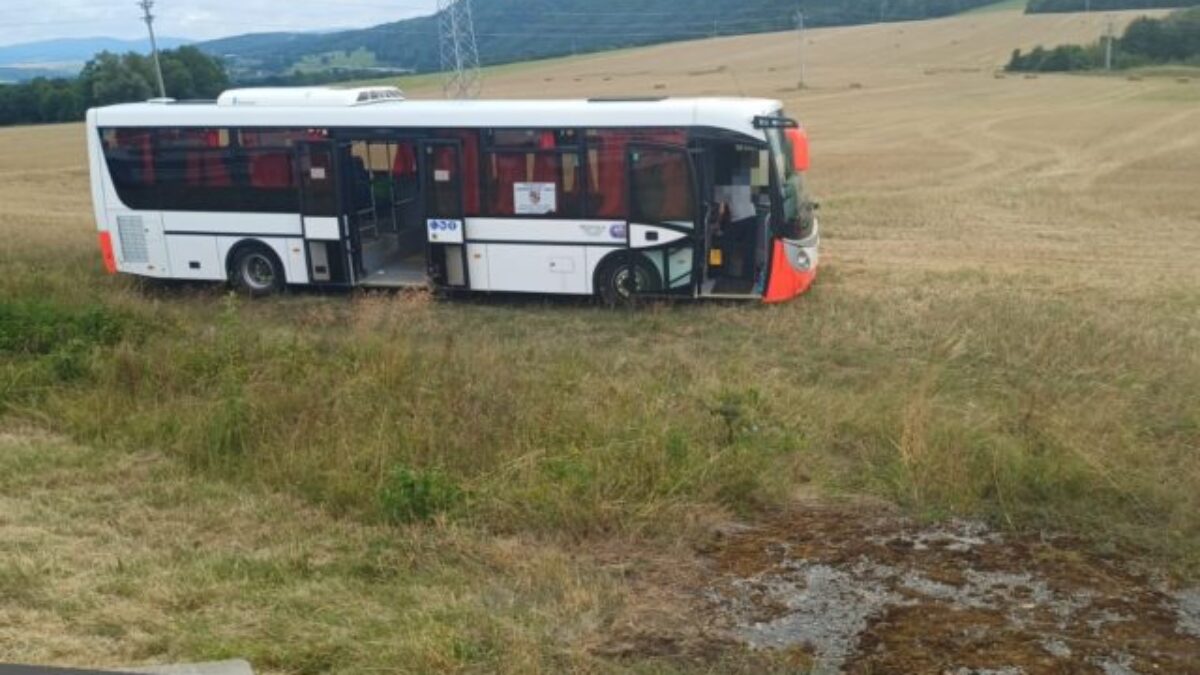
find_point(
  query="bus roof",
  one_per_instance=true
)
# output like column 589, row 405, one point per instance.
column 733, row 114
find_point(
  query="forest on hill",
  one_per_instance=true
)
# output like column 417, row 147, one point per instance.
column 520, row 30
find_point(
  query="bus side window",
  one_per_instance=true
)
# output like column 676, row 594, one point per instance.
column 129, row 154
column 469, row 169
column 607, row 166
column 266, row 176
column 606, row 171
column 661, row 186
column 194, row 167
column 538, row 161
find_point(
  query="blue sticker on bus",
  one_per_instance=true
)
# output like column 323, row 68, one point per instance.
column 445, row 231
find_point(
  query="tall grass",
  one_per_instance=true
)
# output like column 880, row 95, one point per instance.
column 566, row 420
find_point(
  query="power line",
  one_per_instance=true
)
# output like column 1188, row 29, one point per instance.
column 146, row 6
column 800, row 32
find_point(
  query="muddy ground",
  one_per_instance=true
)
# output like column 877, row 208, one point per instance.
column 859, row 589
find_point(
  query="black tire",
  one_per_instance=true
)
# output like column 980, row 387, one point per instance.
column 621, row 278
column 257, row 272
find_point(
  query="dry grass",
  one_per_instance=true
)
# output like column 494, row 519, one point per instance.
column 1008, row 326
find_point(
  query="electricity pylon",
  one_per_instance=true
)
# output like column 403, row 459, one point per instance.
column 459, row 50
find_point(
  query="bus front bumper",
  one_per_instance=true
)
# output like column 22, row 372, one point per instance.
column 793, row 266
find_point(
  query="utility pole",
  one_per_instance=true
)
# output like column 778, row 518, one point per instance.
column 146, row 6
column 800, row 31
column 1108, row 47
column 459, row 50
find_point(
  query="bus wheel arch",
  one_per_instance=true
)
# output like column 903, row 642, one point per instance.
column 255, row 269
column 620, row 275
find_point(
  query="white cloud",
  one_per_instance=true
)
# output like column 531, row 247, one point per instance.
column 30, row 20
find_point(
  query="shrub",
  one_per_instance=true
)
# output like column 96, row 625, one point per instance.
column 411, row 495
column 39, row 328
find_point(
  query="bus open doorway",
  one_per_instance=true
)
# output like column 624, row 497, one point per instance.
column 737, row 219
column 382, row 195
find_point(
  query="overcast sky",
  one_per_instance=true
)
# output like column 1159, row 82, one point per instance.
column 33, row 20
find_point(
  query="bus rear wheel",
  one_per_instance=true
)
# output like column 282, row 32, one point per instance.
column 257, row 272
column 620, row 280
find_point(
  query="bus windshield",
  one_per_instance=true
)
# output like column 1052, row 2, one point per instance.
column 794, row 207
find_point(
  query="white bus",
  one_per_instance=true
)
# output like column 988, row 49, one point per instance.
column 266, row 188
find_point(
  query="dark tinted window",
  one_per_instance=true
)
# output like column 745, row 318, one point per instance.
column 130, row 157
column 661, row 185
column 533, row 139
column 195, row 170
column 206, row 169
column 444, row 181
column 270, row 182
column 319, row 180
column 607, row 164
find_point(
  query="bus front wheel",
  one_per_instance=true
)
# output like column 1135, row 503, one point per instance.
column 257, row 272
column 621, row 278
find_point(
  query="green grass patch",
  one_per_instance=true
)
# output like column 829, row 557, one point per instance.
column 30, row 328
column 1002, row 6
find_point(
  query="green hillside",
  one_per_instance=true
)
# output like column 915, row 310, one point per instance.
column 516, row 30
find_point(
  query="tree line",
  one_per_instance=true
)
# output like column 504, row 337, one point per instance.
column 1048, row 6
column 1174, row 39
column 111, row 78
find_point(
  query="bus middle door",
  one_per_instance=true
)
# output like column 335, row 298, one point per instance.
column 327, row 237
column 442, row 192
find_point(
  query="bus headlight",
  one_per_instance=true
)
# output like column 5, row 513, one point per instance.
column 803, row 261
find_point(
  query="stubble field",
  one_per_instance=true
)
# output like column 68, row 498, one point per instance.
column 1007, row 328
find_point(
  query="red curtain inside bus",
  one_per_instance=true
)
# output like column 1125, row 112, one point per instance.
column 203, row 155
column 137, row 144
column 269, row 161
column 405, row 163
column 545, row 157
column 608, row 165
column 469, row 168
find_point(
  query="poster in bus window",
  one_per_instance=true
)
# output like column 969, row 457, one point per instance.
column 535, row 198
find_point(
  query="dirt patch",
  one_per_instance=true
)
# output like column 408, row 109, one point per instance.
column 860, row 589
column 866, row 591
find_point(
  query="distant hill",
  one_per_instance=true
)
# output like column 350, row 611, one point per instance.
column 518, row 30
column 10, row 74
column 64, row 57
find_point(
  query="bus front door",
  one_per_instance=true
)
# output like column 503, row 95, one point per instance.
column 664, row 237
column 442, row 192
column 326, row 235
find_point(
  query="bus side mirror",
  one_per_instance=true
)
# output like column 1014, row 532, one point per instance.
column 798, row 139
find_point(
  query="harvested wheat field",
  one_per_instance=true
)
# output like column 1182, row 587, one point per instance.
column 974, row 447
